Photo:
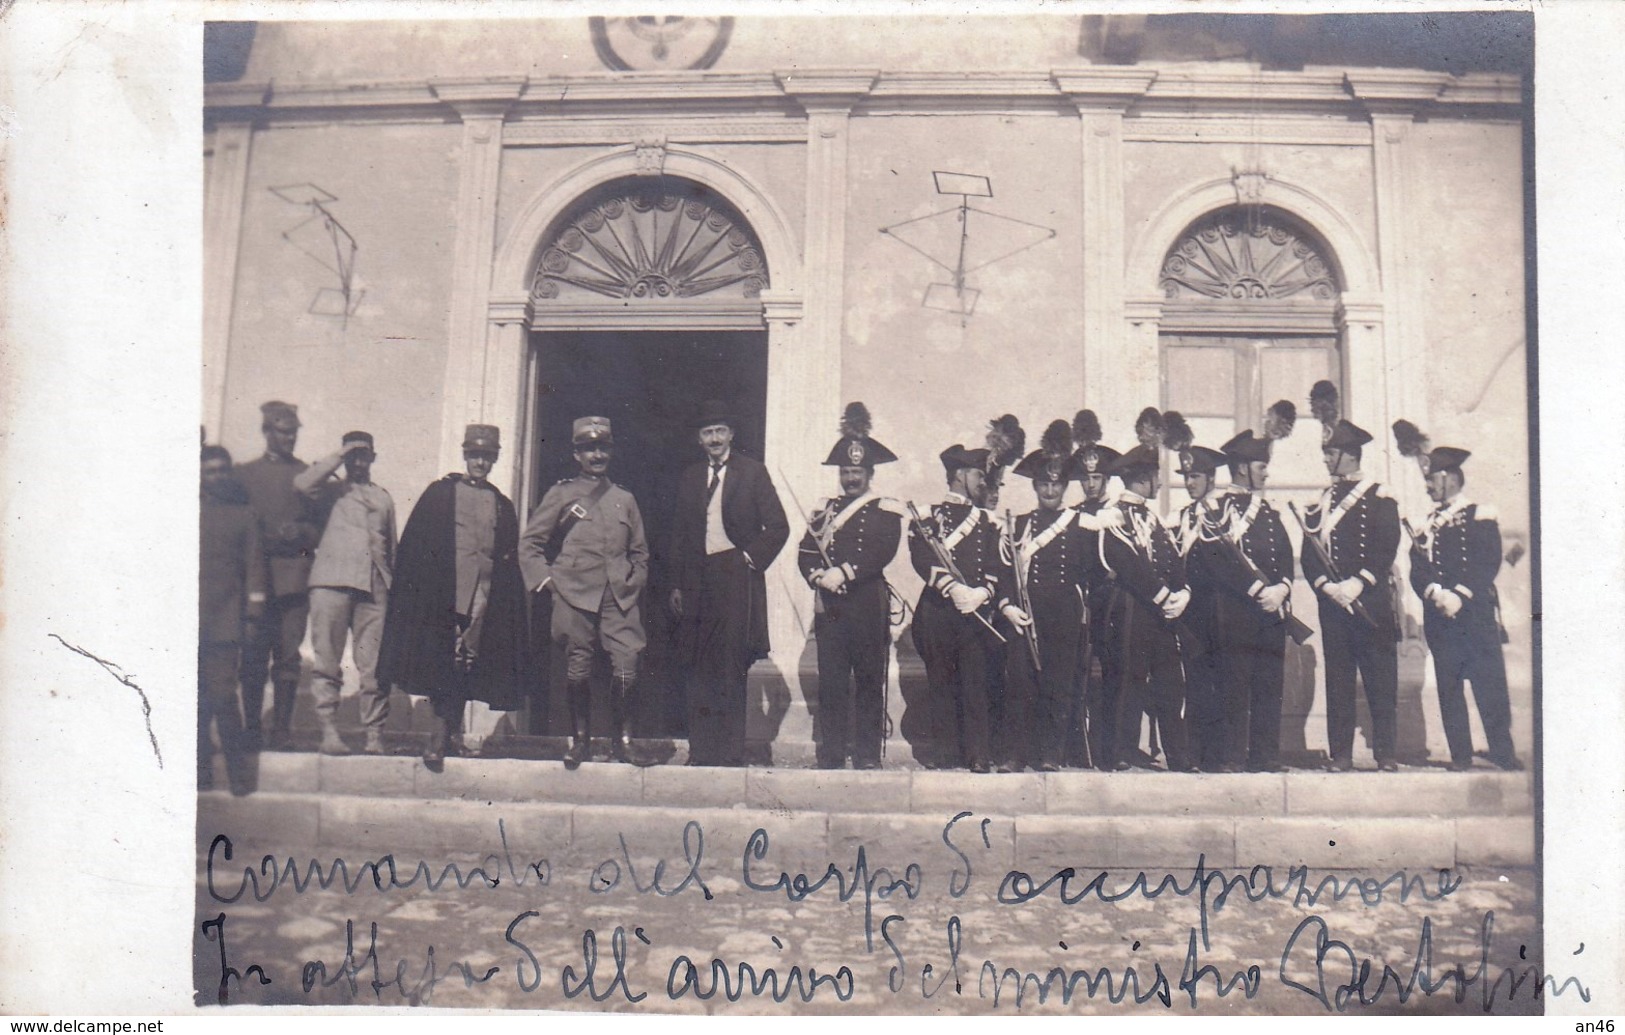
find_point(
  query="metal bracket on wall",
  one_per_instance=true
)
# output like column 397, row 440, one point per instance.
column 322, row 238
column 935, row 234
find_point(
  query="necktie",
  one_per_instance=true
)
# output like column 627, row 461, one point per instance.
column 716, row 479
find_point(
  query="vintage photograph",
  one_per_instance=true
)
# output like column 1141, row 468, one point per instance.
column 871, row 514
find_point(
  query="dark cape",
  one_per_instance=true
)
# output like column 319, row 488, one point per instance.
column 420, row 627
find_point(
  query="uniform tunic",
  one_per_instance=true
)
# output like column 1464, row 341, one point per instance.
column 1251, row 641
column 349, row 586
column 1358, row 524
column 1088, row 729
column 955, row 647
column 1054, row 549
column 1200, row 634
column 1461, row 553
column 1146, row 567
column 597, row 576
column 861, row 535
column 290, row 527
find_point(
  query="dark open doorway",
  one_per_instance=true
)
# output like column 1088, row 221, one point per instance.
column 649, row 384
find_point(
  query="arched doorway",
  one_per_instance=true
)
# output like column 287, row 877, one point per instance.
column 646, row 300
column 1250, row 314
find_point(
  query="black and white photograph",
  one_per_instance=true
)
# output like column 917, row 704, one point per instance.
column 879, row 511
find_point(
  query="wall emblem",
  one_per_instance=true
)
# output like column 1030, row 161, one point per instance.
column 658, row 43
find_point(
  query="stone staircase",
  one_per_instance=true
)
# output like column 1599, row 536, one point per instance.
column 1416, row 819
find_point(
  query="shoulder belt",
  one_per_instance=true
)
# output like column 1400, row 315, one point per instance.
column 1337, row 513
column 1243, row 519
column 573, row 515
column 833, row 525
column 966, row 527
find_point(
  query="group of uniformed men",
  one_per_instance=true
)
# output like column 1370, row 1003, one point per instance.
column 1187, row 620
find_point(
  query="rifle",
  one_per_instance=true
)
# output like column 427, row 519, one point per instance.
column 1418, row 543
column 1358, row 607
column 1295, row 627
column 946, row 561
column 823, row 551
column 1023, row 598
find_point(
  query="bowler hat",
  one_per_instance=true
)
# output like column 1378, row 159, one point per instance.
column 714, row 411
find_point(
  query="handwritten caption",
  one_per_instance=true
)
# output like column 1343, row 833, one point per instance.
column 1308, row 959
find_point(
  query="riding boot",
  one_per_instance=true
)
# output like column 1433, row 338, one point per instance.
column 620, row 700
column 579, row 695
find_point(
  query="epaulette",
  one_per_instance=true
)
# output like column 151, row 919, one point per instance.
column 453, row 476
column 1485, row 512
column 892, row 506
column 561, row 481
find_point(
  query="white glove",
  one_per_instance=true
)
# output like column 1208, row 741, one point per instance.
column 1352, row 588
column 831, row 580
column 1335, row 592
column 1175, row 604
column 1449, row 602
column 1018, row 618
column 967, row 599
column 1273, row 598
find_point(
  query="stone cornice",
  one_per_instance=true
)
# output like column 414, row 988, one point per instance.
column 1384, row 91
column 484, row 96
column 509, row 310
column 827, row 89
column 1110, row 88
column 1185, row 91
column 221, row 99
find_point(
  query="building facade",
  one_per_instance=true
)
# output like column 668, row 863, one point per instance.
column 414, row 226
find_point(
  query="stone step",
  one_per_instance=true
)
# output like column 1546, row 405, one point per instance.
column 801, row 839
column 1139, row 819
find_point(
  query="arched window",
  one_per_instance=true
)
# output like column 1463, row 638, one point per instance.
column 650, row 242
column 1250, row 315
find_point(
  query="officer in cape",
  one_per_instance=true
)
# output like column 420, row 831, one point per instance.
column 585, row 542
column 850, row 539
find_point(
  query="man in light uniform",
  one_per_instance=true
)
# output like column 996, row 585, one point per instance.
column 585, row 542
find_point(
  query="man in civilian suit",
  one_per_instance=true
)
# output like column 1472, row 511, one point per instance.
column 728, row 527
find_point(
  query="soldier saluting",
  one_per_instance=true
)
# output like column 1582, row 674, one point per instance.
column 850, row 540
column 1454, row 561
column 1051, row 554
column 1351, row 537
column 955, row 549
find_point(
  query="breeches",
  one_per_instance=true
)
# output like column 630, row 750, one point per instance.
column 578, row 633
column 272, row 647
